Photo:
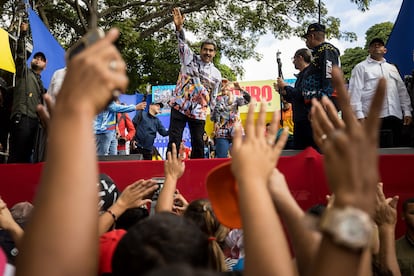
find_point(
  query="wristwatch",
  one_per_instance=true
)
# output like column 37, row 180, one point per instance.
column 349, row 227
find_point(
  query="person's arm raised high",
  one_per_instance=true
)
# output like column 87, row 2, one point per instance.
column 173, row 169
column 351, row 166
column 386, row 219
column 134, row 195
column 263, row 231
column 185, row 52
column 62, row 237
column 10, row 225
column 305, row 241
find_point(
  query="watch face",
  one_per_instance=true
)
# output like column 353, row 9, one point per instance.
column 353, row 230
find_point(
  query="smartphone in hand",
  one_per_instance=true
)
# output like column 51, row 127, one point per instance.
column 85, row 41
column 160, row 182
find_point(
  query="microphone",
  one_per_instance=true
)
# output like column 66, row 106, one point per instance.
column 279, row 63
column 278, row 53
column 280, row 74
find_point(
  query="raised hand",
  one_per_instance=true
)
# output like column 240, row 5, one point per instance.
column 385, row 217
column 6, row 219
column 174, row 167
column 45, row 114
column 141, row 106
column 180, row 204
column 350, row 148
column 134, row 195
column 93, row 85
column 278, row 187
column 137, row 194
column 236, row 85
column 8, row 223
column 351, row 165
column 255, row 150
column 253, row 161
column 178, row 19
column 385, row 208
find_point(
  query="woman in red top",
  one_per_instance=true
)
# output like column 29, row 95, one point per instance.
column 125, row 132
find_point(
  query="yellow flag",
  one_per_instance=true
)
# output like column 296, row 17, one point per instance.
column 6, row 58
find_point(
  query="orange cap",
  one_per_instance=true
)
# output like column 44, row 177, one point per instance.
column 223, row 194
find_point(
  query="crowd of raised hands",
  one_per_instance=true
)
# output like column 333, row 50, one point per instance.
column 62, row 236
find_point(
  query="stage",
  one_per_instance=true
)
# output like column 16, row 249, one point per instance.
column 303, row 170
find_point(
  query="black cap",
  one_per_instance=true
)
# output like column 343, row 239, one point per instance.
column 160, row 104
column 40, row 54
column 314, row 27
column 377, row 40
column 107, row 192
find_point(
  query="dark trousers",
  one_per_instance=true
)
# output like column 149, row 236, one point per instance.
column 390, row 132
column 302, row 135
column 177, row 125
column 146, row 154
column 22, row 138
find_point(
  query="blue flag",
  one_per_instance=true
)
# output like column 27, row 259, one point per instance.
column 43, row 41
column 400, row 44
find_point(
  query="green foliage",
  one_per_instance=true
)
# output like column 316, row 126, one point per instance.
column 381, row 30
column 353, row 56
column 227, row 72
column 350, row 58
column 148, row 43
column 362, row 5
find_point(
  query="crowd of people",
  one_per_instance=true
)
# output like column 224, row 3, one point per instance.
column 200, row 87
column 240, row 229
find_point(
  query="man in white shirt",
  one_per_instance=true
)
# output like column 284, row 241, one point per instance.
column 56, row 82
column 396, row 110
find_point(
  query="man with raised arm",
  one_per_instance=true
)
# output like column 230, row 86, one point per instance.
column 27, row 95
column 197, row 87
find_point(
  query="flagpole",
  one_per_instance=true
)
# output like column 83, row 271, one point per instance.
column 319, row 11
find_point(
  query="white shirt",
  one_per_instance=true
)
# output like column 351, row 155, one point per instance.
column 364, row 81
column 56, row 82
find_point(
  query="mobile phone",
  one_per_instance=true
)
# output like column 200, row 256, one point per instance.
column 85, row 41
column 160, row 182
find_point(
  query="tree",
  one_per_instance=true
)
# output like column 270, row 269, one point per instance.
column 350, row 58
column 235, row 24
column 353, row 56
column 381, row 30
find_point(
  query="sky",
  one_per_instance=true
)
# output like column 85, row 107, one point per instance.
column 352, row 20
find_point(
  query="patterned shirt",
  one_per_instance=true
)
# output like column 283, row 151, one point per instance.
column 226, row 114
column 318, row 80
column 198, row 83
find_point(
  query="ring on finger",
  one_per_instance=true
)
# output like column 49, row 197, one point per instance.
column 324, row 137
column 113, row 65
